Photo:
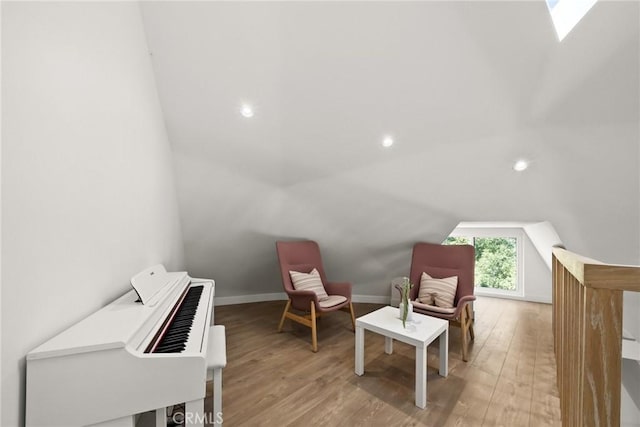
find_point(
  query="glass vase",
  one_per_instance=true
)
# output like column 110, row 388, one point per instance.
column 409, row 311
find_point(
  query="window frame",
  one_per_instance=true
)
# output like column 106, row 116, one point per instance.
column 518, row 234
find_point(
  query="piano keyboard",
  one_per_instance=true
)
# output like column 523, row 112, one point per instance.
column 125, row 339
column 175, row 336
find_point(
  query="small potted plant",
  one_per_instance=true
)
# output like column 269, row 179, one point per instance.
column 406, row 308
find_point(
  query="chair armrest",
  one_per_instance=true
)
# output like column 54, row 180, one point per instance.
column 300, row 300
column 338, row 288
column 462, row 302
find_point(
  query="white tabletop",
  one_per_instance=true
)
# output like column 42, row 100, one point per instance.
column 386, row 321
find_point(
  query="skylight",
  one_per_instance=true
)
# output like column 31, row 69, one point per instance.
column 567, row 13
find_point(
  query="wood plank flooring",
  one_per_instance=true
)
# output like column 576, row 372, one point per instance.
column 273, row 379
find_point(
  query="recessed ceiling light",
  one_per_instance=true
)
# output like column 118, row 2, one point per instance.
column 520, row 165
column 246, row 111
column 387, row 141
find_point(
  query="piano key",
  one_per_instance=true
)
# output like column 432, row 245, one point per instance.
column 172, row 349
column 177, row 335
column 173, row 340
column 196, row 335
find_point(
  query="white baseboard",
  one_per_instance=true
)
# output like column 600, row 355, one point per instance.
column 244, row 299
column 371, row 299
column 544, row 300
column 529, row 298
column 368, row 299
column 281, row 296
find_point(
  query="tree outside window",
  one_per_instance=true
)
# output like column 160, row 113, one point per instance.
column 496, row 260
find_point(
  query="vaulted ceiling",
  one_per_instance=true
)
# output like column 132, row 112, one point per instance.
column 464, row 88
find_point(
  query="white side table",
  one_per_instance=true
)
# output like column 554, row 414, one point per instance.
column 421, row 332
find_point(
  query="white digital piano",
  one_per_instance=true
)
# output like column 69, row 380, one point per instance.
column 144, row 351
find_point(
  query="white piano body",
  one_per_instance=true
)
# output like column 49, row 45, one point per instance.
column 97, row 371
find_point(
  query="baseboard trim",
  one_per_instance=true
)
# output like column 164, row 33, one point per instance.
column 371, row 299
column 543, row 300
column 528, row 298
column 245, row 299
column 367, row 299
column 281, row 296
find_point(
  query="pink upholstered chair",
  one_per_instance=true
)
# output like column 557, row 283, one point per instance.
column 441, row 261
column 303, row 257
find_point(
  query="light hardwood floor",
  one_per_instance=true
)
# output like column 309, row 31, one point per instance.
column 273, row 379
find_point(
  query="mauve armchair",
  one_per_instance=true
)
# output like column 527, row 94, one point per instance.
column 304, row 256
column 441, row 261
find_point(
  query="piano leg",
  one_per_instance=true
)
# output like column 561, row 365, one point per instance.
column 194, row 413
column 161, row 417
column 217, row 397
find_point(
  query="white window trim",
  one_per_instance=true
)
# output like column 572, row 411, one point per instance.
column 518, row 233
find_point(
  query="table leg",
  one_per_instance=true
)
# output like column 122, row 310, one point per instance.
column 359, row 350
column 421, row 376
column 194, row 413
column 388, row 345
column 444, row 353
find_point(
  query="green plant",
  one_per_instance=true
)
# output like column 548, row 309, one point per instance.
column 405, row 289
column 496, row 260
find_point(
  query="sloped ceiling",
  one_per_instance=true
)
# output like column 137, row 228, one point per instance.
column 465, row 88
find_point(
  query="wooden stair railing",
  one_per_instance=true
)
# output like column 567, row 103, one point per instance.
column 587, row 327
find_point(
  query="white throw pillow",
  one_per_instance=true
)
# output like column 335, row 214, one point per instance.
column 439, row 292
column 309, row 282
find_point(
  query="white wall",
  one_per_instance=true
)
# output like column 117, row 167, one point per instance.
column 537, row 276
column 465, row 88
column 630, row 398
column 0, row 219
column 88, row 196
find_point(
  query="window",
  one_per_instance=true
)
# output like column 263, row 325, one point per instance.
column 498, row 259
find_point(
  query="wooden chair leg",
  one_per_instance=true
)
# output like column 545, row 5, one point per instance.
column 284, row 315
column 353, row 317
column 464, row 328
column 314, row 335
column 471, row 320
